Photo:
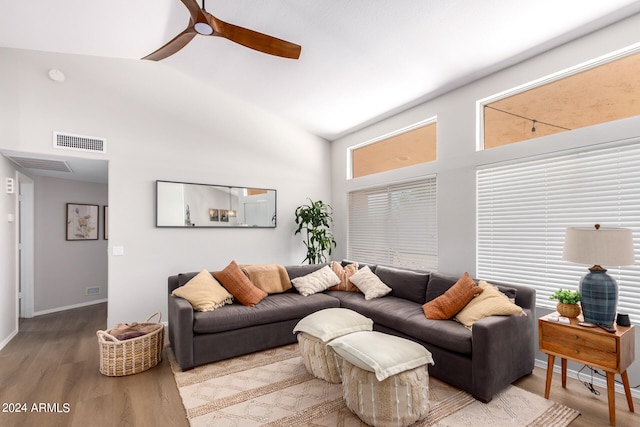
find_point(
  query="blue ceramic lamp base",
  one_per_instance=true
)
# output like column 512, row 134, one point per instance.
column 599, row 297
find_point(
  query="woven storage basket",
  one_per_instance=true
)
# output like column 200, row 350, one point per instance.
column 120, row 358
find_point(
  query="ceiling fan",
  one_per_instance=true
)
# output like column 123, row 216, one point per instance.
column 202, row 22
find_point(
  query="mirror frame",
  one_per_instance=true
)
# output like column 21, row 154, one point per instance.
column 216, row 209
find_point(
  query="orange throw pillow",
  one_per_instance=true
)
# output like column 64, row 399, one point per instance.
column 451, row 302
column 344, row 274
column 239, row 285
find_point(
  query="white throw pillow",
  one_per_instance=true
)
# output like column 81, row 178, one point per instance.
column 370, row 284
column 330, row 323
column 315, row 282
column 383, row 354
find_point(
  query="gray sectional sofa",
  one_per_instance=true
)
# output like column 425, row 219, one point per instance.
column 482, row 361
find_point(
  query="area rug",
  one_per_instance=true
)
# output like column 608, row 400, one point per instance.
column 273, row 388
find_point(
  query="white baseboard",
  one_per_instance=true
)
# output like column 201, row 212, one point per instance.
column 9, row 338
column 597, row 380
column 69, row 307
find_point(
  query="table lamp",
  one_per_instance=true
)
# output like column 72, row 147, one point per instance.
column 599, row 246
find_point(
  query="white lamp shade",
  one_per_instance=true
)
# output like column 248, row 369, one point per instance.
column 603, row 246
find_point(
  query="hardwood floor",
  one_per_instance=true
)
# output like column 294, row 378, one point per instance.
column 54, row 360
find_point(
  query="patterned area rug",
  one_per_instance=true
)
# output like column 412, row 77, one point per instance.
column 273, row 388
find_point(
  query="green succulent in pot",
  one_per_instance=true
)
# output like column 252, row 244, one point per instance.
column 567, row 302
column 566, row 296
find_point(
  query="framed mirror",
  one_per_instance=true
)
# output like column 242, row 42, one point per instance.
column 184, row 204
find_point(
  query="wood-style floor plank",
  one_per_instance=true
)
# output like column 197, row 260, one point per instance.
column 55, row 360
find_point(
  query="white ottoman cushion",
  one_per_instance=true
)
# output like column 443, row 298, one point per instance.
column 383, row 354
column 330, row 323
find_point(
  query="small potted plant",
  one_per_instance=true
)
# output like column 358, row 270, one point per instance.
column 567, row 302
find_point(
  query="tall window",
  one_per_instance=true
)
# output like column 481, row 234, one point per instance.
column 597, row 93
column 524, row 208
column 395, row 225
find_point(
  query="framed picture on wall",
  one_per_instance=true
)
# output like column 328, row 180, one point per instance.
column 106, row 222
column 82, row 221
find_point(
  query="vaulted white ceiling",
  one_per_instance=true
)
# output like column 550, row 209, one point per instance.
column 362, row 60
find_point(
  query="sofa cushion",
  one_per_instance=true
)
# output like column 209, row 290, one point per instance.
column 451, row 302
column 330, row 323
column 509, row 292
column 491, row 302
column 183, row 278
column 408, row 319
column 346, row 262
column 369, row 284
column 439, row 284
column 274, row 308
column 407, row 284
column 344, row 273
column 316, row 282
column 302, row 270
column 239, row 285
column 204, row 292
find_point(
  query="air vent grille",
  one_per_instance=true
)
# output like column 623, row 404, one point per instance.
column 40, row 164
column 79, row 142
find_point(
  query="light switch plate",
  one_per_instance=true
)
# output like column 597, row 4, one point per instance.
column 10, row 186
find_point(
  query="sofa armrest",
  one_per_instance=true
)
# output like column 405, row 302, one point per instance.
column 181, row 330
column 503, row 350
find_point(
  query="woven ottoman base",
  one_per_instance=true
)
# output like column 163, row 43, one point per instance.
column 399, row 400
column 320, row 360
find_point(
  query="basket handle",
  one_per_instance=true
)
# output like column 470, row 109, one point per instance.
column 157, row 313
column 102, row 335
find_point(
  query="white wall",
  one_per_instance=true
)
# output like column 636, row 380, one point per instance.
column 160, row 124
column 64, row 269
column 457, row 155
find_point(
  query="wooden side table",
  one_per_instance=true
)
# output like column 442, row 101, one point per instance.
column 610, row 352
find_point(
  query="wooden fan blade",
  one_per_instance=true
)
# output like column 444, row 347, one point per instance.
column 253, row 39
column 174, row 45
column 194, row 10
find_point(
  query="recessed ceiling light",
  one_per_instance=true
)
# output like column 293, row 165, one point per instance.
column 56, row 75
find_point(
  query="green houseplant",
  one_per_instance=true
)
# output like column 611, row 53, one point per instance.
column 567, row 302
column 316, row 219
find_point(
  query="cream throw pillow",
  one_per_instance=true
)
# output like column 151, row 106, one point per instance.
column 369, row 284
column 204, row 292
column 383, row 354
column 330, row 323
column 491, row 302
column 316, row 282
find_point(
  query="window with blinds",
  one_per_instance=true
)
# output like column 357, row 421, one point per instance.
column 395, row 225
column 524, row 208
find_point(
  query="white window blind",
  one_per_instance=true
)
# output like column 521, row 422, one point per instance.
column 395, row 225
column 523, row 210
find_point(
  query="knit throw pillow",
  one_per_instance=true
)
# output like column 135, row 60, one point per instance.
column 492, row 302
column 239, row 285
column 451, row 302
column 344, row 273
column 204, row 292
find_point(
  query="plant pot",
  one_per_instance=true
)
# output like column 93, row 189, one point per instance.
column 568, row 310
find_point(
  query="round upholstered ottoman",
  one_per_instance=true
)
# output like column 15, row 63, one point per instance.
column 385, row 381
column 319, row 328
